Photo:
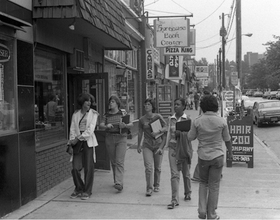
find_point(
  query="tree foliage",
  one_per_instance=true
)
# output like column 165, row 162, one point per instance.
column 266, row 73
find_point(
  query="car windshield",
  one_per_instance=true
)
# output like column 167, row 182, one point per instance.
column 269, row 105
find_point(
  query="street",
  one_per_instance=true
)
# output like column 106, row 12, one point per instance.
column 268, row 134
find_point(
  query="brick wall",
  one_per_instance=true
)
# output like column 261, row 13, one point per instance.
column 53, row 167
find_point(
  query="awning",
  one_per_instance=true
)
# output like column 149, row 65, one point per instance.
column 12, row 22
column 102, row 21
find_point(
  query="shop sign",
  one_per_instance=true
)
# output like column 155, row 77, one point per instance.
column 172, row 32
column 4, row 53
column 234, row 78
column 241, row 132
column 179, row 50
column 174, row 68
column 150, row 72
column 201, row 69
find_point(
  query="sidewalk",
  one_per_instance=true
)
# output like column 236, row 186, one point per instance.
column 245, row 193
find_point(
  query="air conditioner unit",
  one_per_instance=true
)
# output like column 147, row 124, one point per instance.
column 77, row 60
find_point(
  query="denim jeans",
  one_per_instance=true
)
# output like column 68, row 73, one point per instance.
column 210, row 175
column 175, row 176
column 83, row 159
column 116, row 147
column 152, row 161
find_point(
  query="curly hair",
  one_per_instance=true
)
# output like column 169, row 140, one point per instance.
column 83, row 97
column 209, row 103
column 152, row 102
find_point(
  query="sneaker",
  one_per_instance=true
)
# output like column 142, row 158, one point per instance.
column 156, row 189
column 75, row 194
column 118, row 187
column 187, row 197
column 149, row 192
column 172, row 205
column 202, row 216
column 84, row 196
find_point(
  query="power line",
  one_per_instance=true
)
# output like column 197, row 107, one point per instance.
column 208, row 38
column 181, row 6
column 210, row 14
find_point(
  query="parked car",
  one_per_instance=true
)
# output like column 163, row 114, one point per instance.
column 248, row 106
column 258, row 94
column 265, row 94
column 266, row 111
column 250, row 92
column 277, row 96
column 272, row 95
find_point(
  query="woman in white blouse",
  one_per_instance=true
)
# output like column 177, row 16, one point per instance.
column 82, row 129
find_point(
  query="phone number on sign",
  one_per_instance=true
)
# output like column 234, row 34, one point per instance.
column 241, row 158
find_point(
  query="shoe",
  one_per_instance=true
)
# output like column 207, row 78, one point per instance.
column 187, row 197
column 75, row 194
column 149, row 192
column 172, row 205
column 217, row 217
column 84, row 196
column 195, row 179
column 202, row 216
column 118, row 187
column 156, row 189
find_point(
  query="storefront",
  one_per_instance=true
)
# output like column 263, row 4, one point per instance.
column 46, row 60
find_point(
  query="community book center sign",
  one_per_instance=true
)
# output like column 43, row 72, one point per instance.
column 172, row 32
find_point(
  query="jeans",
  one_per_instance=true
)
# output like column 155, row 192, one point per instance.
column 152, row 160
column 210, row 176
column 196, row 172
column 116, row 148
column 83, row 159
column 175, row 176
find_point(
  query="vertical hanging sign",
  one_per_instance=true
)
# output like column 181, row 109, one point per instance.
column 150, row 73
column 173, row 67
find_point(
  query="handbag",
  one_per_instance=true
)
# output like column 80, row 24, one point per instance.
column 78, row 147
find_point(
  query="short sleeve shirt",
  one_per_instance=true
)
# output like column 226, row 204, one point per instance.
column 211, row 131
column 144, row 124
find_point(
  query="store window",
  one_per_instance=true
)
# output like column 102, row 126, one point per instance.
column 49, row 97
column 7, row 86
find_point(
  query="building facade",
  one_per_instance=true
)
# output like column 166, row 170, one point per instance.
column 50, row 52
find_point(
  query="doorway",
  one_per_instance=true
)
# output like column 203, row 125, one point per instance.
column 97, row 85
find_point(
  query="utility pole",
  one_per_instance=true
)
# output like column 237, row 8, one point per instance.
column 238, row 43
column 223, row 33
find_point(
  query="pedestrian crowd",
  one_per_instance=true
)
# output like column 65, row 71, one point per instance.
column 155, row 134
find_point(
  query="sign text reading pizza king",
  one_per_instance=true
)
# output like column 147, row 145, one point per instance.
column 179, row 50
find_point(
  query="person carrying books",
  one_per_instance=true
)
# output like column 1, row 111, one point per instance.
column 180, row 153
column 116, row 138
column 151, row 140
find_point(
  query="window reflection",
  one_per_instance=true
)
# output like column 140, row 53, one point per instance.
column 49, row 98
column 7, row 88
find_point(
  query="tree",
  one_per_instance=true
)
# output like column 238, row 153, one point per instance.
column 202, row 62
column 266, row 73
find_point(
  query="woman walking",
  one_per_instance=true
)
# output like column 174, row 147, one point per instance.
column 210, row 130
column 180, row 153
column 116, row 139
column 82, row 130
column 151, row 145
